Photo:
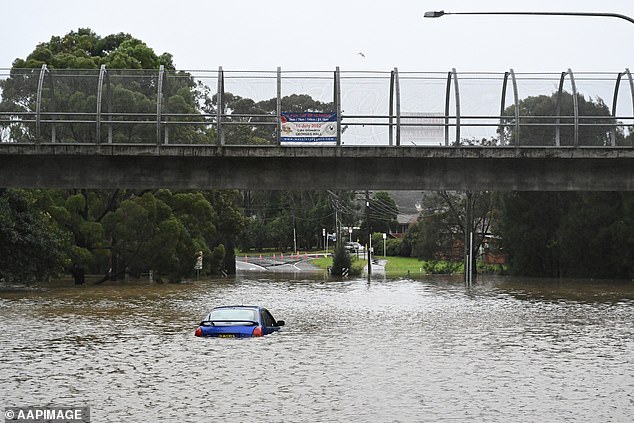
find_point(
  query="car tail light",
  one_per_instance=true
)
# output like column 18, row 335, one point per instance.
column 257, row 331
column 199, row 331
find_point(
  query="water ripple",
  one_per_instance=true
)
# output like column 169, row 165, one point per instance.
column 392, row 350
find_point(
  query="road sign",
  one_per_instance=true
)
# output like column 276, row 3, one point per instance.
column 199, row 261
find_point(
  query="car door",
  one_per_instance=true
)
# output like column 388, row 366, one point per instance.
column 270, row 324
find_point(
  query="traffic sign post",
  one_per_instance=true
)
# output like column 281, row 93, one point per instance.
column 199, row 264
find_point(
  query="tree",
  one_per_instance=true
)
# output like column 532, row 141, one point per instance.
column 596, row 236
column 80, row 212
column 162, row 231
column 528, row 225
column 560, row 234
column 131, row 91
column 32, row 247
column 440, row 229
column 122, row 230
column 229, row 223
column 432, row 237
column 146, row 236
column 569, row 234
column 341, row 261
column 595, row 119
column 84, row 49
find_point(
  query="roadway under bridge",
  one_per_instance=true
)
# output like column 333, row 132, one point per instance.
column 199, row 167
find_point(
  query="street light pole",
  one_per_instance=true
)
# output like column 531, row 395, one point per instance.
column 384, row 249
column 323, row 234
column 439, row 13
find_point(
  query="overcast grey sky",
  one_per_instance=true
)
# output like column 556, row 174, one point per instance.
column 318, row 35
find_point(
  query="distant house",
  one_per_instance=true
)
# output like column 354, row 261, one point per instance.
column 405, row 221
column 409, row 208
column 491, row 251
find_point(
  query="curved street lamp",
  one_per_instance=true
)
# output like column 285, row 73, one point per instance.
column 438, row 14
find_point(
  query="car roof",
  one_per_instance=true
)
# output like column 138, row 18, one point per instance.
column 240, row 306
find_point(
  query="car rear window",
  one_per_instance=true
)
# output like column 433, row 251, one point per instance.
column 237, row 316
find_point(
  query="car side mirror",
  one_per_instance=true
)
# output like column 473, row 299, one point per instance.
column 280, row 323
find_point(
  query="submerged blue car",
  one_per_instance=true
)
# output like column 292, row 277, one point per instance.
column 238, row 322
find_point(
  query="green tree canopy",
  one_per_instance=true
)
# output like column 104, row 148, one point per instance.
column 273, row 217
column 595, row 121
column 71, row 85
column 442, row 224
column 118, row 229
column 569, row 234
column 84, row 49
column 33, row 246
column 566, row 233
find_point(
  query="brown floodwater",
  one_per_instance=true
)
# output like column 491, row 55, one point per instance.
column 387, row 350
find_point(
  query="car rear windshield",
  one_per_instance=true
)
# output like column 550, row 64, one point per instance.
column 232, row 316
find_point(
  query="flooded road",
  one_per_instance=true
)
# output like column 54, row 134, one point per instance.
column 390, row 350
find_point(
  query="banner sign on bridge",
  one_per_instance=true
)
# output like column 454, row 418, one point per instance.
column 308, row 128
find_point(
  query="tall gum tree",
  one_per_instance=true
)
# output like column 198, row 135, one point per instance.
column 104, row 228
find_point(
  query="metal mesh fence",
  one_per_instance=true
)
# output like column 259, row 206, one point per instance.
column 236, row 107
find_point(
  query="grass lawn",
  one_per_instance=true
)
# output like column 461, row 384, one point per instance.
column 402, row 265
column 326, row 262
column 396, row 266
column 322, row 262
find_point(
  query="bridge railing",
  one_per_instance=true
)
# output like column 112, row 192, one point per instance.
column 395, row 108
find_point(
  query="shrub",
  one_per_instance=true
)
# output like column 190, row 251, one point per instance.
column 442, row 267
column 340, row 261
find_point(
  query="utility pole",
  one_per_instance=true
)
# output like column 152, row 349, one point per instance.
column 323, row 234
column 468, row 240
column 367, row 221
column 294, row 234
column 336, row 225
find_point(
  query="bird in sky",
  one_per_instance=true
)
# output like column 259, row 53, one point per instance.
column 361, row 54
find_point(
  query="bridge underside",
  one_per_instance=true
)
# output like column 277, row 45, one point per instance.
column 314, row 168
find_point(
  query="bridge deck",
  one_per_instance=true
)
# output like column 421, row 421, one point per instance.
column 79, row 165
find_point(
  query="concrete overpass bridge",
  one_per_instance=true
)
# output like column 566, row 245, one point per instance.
column 373, row 130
